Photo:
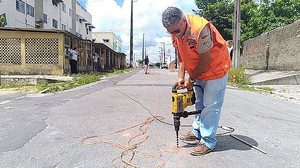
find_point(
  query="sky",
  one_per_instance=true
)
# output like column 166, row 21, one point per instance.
column 108, row 16
column 83, row 2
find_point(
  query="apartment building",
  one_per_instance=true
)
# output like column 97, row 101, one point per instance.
column 109, row 39
column 66, row 15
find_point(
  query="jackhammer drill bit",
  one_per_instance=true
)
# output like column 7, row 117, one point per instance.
column 177, row 139
column 177, row 125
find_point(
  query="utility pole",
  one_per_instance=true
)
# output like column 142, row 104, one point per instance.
column 143, row 53
column 26, row 21
column 164, row 52
column 236, row 34
column 145, row 50
column 131, row 33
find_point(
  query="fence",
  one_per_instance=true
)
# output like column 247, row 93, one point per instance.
column 27, row 52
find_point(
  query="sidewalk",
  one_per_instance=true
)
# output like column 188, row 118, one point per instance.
column 33, row 79
column 283, row 83
column 262, row 77
column 286, row 84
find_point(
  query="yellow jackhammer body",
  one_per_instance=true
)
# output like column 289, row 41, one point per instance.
column 181, row 98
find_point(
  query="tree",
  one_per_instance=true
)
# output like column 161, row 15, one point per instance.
column 255, row 18
column 269, row 16
column 219, row 13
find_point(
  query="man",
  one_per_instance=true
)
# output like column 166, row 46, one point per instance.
column 146, row 64
column 203, row 53
column 73, row 60
column 95, row 62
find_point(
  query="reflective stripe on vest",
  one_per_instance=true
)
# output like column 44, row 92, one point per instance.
column 188, row 50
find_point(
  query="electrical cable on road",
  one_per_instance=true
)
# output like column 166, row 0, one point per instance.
column 143, row 127
column 130, row 148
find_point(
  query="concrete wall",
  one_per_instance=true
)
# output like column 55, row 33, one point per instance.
column 27, row 52
column 276, row 50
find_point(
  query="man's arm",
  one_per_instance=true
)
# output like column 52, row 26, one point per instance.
column 203, row 63
column 181, row 72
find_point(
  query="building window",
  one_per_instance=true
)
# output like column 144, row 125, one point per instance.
column 30, row 10
column 64, row 27
column 63, row 7
column 70, row 12
column 54, row 23
column 20, row 6
column 45, row 18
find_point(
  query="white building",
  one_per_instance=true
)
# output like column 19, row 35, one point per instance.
column 66, row 15
column 109, row 39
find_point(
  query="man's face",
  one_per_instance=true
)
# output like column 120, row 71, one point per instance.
column 177, row 28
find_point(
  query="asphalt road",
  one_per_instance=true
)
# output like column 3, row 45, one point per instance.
column 114, row 121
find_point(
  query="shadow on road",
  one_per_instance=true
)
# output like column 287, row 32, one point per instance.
column 226, row 142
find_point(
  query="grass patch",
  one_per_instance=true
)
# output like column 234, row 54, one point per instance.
column 238, row 78
column 79, row 80
column 265, row 89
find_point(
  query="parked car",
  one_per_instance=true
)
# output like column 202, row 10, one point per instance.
column 164, row 66
column 151, row 65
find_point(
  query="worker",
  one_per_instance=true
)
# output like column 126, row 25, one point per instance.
column 203, row 53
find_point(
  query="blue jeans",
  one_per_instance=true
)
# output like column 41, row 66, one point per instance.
column 95, row 66
column 209, row 98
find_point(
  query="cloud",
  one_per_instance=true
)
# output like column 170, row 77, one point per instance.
column 109, row 17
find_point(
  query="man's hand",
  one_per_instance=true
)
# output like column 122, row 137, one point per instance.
column 180, row 82
column 188, row 84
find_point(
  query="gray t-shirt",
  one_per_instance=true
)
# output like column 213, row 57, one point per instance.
column 73, row 55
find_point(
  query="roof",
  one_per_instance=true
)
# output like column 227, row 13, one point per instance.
column 42, row 30
column 105, row 46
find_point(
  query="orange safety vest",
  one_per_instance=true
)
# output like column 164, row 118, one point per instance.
column 188, row 50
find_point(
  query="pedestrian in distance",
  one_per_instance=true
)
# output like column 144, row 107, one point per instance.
column 203, row 53
column 73, row 60
column 146, row 64
column 95, row 62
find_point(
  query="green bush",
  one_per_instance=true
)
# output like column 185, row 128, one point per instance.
column 237, row 77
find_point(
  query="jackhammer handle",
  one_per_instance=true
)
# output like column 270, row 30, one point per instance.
column 175, row 88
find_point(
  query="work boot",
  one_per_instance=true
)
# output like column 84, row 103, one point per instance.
column 189, row 138
column 200, row 149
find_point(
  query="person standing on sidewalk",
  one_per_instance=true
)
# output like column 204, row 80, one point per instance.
column 73, row 60
column 95, row 62
column 203, row 53
column 146, row 64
